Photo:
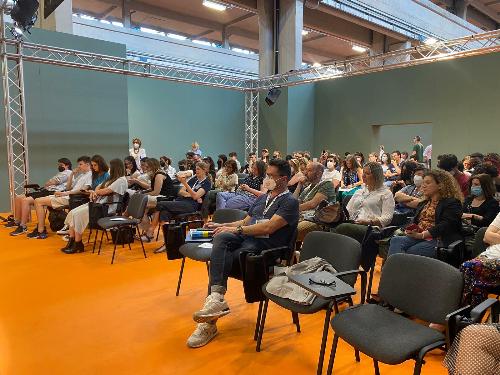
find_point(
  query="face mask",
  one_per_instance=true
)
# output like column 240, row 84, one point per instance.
column 136, row 145
column 330, row 165
column 384, row 158
column 162, row 164
column 418, row 180
column 476, row 191
column 60, row 169
column 269, row 184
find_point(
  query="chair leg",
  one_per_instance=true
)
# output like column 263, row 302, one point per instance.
column 158, row 233
column 131, row 235
column 257, row 324
column 370, row 281
column 95, row 240
column 107, row 238
column 90, row 235
column 295, row 319
column 114, row 248
column 142, row 243
column 332, row 354
column 418, row 367
column 356, row 351
column 323, row 341
column 262, row 323
column 181, row 272
column 375, row 366
column 100, row 242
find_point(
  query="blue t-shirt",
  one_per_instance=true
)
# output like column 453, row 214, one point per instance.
column 99, row 180
column 285, row 206
column 196, row 185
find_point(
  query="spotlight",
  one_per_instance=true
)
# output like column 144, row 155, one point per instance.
column 24, row 14
column 272, row 96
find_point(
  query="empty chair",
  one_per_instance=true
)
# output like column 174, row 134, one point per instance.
column 344, row 254
column 122, row 224
column 202, row 254
column 423, row 287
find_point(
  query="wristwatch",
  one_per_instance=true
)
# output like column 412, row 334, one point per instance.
column 239, row 229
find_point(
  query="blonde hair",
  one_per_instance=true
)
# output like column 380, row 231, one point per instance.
column 447, row 184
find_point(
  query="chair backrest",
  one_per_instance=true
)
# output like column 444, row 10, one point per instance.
column 228, row 215
column 420, row 286
column 137, row 205
column 479, row 245
column 342, row 252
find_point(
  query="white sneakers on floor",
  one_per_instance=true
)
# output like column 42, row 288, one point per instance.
column 63, row 231
column 214, row 308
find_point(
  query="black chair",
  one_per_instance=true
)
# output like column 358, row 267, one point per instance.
column 422, row 287
column 124, row 225
column 344, row 254
column 202, row 254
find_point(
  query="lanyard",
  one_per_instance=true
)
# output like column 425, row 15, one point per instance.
column 269, row 204
column 197, row 185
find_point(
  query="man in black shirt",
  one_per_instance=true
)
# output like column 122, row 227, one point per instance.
column 271, row 222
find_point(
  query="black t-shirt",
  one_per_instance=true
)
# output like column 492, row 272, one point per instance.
column 167, row 187
column 285, row 206
column 196, row 185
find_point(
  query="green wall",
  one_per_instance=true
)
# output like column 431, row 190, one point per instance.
column 459, row 97
column 169, row 116
column 70, row 112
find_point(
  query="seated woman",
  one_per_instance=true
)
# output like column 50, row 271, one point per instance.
column 227, row 181
column 190, row 197
column 481, row 207
column 331, row 173
column 221, row 161
column 166, row 165
column 211, row 167
column 390, row 172
column 78, row 218
column 296, row 175
column 437, row 217
column 131, row 170
column 372, row 205
column 251, row 188
column 99, row 171
column 352, row 173
column 408, row 198
column 482, row 273
column 247, row 168
column 161, row 187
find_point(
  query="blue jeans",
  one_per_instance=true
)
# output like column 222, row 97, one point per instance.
column 408, row 245
column 234, row 200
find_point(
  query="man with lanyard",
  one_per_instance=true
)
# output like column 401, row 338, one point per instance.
column 311, row 196
column 271, row 222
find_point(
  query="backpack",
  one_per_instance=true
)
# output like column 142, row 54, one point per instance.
column 56, row 219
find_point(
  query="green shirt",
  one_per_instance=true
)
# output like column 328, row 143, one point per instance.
column 325, row 187
column 419, row 150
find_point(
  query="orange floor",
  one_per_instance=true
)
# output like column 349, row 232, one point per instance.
column 77, row 314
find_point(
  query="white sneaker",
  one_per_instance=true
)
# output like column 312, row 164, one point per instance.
column 215, row 307
column 202, row 335
column 63, row 231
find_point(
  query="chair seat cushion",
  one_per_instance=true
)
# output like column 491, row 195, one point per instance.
column 116, row 221
column 383, row 334
column 317, row 305
column 195, row 252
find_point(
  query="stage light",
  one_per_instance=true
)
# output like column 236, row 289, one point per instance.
column 272, row 96
column 24, row 14
column 358, row 48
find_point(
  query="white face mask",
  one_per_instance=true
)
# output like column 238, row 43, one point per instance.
column 418, row 180
column 384, row 158
column 136, row 145
column 269, row 184
column 330, row 165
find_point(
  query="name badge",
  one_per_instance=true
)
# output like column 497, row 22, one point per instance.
column 262, row 221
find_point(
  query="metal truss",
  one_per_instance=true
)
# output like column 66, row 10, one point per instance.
column 463, row 47
column 251, row 122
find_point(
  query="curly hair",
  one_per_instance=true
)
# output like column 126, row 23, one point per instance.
column 447, row 185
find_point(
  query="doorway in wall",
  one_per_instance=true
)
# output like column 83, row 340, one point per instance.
column 400, row 136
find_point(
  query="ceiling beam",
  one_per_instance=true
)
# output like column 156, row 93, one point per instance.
column 107, row 12
column 485, row 10
column 316, row 37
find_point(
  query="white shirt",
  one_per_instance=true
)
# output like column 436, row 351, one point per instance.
column 81, row 181
column 170, row 171
column 428, row 153
column 371, row 205
column 119, row 187
column 60, row 181
column 493, row 251
column 331, row 175
column 140, row 154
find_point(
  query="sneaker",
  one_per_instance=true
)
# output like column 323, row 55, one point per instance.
column 215, row 307
column 43, row 235
column 21, row 229
column 202, row 335
column 33, row 234
column 63, row 231
column 11, row 224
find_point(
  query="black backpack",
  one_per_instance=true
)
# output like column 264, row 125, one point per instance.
column 56, row 219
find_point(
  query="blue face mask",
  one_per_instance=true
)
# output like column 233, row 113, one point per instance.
column 476, row 191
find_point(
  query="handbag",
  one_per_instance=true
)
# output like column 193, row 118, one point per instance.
column 76, row 200
column 328, row 214
column 174, row 238
column 96, row 211
column 56, row 219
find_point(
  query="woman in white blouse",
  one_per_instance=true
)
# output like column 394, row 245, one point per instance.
column 137, row 152
column 372, row 205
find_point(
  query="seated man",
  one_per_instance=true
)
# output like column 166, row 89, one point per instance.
column 80, row 179
column 271, row 222
column 24, row 203
column 409, row 197
column 311, row 196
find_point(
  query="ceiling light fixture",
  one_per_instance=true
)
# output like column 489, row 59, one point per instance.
column 176, row 36
column 317, row 65
column 430, row 41
column 358, row 48
column 213, row 5
column 202, row 42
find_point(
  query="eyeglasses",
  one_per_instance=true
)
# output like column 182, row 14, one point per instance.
column 322, row 283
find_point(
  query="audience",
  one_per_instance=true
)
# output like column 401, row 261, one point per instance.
column 106, row 193
column 195, row 149
column 221, row 161
column 248, row 191
column 480, row 208
column 390, row 172
column 418, row 150
column 227, row 181
column 234, row 156
column 437, row 217
column 99, row 171
column 137, row 152
column 271, row 222
column 449, row 163
column 166, row 166
column 252, row 158
column 131, row 170
column 331, row 173
column 352, row 173
column 409, row 197
column 296, row 175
